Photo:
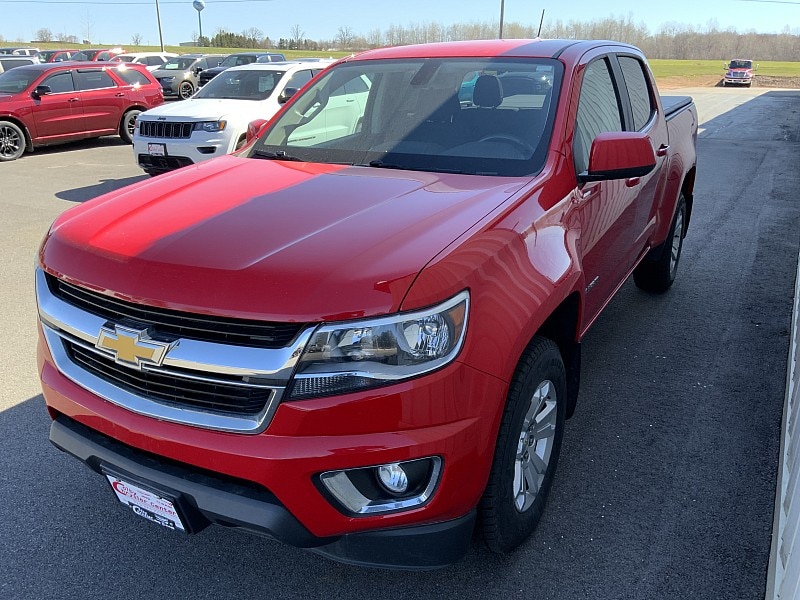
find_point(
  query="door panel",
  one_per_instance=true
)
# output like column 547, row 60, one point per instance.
column 59, row 115
column 103, row 101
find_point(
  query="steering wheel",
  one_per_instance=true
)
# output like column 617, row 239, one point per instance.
column 519, row 144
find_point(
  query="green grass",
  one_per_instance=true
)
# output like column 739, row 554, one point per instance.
column 694, row 68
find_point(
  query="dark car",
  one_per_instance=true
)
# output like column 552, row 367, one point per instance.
column 97, row 54
column 51, row 103
column 178, row 77
column 235, row 60
column 48, row 56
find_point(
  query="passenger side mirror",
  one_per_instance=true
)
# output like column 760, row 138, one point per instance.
column 619, row 155
column 254, row 128
column 41, row 90
column 197, row 70
column 286, row 94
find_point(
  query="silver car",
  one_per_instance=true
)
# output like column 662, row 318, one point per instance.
column 178, row 77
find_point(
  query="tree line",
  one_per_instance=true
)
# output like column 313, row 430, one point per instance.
column 670, row 41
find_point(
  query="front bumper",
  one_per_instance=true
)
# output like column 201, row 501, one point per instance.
column 452, row 413
column 206, row 498
column 737, row 81
column 178, row 153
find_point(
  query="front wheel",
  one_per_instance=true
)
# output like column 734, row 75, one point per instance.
column 128, row 125
column 658, row 275
column 185, row 90
column 527, row 449
column 12, row 141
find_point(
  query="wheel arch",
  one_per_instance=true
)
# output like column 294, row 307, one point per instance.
column 562, row 328
column 23, row 127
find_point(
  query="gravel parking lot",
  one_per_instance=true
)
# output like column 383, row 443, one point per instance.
column 666, row 481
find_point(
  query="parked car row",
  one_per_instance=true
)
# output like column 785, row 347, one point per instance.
column 68, row 99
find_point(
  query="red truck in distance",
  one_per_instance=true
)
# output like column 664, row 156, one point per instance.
column 739, row 72
column 362, row 336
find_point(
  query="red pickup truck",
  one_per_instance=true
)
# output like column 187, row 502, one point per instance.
column 360, row 334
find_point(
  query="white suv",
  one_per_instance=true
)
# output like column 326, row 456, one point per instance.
column 152, row 60
column 214, row 121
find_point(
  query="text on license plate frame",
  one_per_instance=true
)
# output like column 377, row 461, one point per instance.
column 147, row 504
column 156, row 149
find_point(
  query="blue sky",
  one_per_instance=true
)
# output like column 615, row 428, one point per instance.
column 116, row 21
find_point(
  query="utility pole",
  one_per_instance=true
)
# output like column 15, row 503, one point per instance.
column 502, row 10
column 160, row 36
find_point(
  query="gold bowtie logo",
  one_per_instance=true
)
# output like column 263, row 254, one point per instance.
column 132, row 347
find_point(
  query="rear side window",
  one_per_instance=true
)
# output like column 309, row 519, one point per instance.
column 598, row 111
column 93, row 80
column 638, row 90
column 60, row 82
column 132, row 76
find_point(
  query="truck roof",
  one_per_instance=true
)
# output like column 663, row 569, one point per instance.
column 533, row 48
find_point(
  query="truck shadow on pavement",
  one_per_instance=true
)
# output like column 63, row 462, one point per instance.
column 82, row 194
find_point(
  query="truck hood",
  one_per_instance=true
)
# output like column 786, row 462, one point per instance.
column 200, row 109
column 282, row 241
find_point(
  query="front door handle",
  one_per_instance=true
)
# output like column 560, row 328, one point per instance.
column 662, row 150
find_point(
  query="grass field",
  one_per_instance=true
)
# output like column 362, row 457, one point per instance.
column 695, row 68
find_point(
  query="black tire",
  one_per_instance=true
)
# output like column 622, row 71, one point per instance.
column 657, row 276
column 529, row 442
column 128, row 125
column 185, row 90
column 12, row 141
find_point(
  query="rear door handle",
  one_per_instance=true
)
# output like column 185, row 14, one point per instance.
column 73, row 99
column 633, row 181
column 119, row 94
column 662, row 150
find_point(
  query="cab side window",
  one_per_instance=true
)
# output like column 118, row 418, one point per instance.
column 638, row 90
column 599, row 111
column 60, row 83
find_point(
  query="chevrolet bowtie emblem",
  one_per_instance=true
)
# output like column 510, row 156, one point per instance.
column 132, row 347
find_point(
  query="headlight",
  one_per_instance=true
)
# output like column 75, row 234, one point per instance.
column 210, row 126
column 349, row 357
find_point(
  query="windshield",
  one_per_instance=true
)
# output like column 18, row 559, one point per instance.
column 178, row 64
column 241, row 85
column 741, row 64
column 46, row 55
column 234, row 60
column 475, row 116
column 17, row 80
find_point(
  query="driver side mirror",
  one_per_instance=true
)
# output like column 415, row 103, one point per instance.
column 41, row 90
column 254, row 128
column 197, row 70
column 286, row 94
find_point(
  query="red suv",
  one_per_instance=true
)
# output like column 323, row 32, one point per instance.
column 52, row 103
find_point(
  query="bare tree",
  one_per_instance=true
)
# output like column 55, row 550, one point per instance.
column 44, row 35
column 296, row 35
column 136, row 39
column 254, row 36
column 344, row 38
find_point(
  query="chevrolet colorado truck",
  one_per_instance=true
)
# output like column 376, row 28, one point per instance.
column 363, row 338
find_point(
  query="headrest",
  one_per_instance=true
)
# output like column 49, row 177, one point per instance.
column 488, row 93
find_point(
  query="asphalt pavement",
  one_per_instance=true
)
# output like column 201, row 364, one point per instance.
column 667, row 476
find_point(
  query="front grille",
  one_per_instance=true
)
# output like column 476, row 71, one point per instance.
column 173, row 323
column 165, row 129
column 215, row 396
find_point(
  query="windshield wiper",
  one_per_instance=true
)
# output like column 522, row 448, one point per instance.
column 279, row 155
column 379, row 164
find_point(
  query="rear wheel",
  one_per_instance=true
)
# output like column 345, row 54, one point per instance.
column 12, row 141
column 527, row 448
column 128, row 125
column 185, row 90
column 658, row 275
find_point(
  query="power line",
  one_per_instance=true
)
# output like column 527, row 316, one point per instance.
column 126, row 3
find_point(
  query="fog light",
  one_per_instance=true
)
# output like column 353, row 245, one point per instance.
column 393, row 478
column 389, row 487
